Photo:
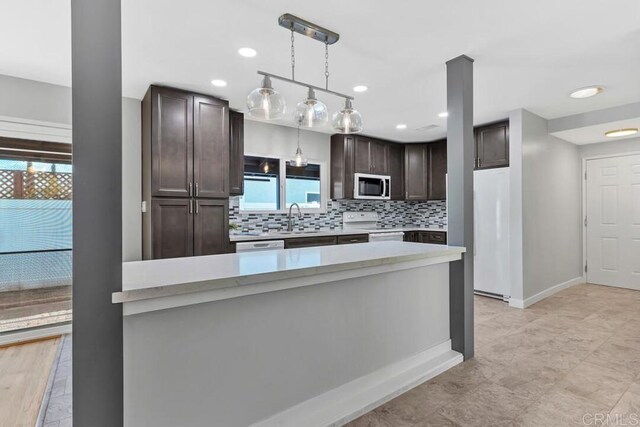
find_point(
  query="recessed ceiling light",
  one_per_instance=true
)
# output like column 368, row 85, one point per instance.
column 360, row 88
column 621, row 132
column 401, row 126
column 218, row 83
column 586, row 92
column 444, row 114
column 247, row 52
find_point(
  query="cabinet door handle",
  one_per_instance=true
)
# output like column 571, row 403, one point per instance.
column 197, row 207
column 190, row 207
column 190, row 189
column 197, row 190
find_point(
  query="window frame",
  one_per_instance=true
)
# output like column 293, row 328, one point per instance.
column 282, row 180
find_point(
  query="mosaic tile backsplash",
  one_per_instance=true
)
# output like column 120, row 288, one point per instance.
column 393, row 213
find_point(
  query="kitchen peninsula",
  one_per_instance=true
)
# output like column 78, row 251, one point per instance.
column 309, row 336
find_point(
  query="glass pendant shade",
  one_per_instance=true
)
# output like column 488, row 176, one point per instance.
column 299, row 159
column 311, row 112
column 347, row 120
column 265, row 103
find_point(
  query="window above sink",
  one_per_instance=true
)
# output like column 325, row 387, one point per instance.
column 272, row 185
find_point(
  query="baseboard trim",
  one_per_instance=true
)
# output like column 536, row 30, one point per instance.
column 36, row 334
column 347, row 402
column 518, row 303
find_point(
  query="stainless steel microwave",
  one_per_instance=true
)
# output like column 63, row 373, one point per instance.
column 375, row 187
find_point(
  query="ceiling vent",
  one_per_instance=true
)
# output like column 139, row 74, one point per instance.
column 427, row 128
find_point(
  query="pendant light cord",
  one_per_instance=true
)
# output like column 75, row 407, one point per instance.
column 293, row 56
column 326, row 65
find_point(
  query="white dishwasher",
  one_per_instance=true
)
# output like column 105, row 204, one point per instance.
column 264, row 245
column 394, row 236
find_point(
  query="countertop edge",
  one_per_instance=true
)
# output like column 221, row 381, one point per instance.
column 231, row 287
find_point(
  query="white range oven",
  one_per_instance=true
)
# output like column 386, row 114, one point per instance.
column 369, row 221
column 374, row 187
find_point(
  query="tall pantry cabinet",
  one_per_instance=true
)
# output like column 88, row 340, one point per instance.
column 185, row 174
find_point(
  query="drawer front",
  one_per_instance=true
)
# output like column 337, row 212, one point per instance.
column 411, row 236
column 437, row 237
column 305, row 242
column 353, row 238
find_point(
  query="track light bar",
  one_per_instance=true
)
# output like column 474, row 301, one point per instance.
column 303, row 84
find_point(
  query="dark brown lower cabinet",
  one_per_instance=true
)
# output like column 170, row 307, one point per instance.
column 186, row 227
column 172, row 228
column 307, row 242
column 353, row 238
column 433, row 237
column 210, row 226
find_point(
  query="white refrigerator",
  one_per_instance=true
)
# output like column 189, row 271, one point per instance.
column 491, row 215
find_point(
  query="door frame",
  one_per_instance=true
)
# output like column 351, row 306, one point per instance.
column 585, row 274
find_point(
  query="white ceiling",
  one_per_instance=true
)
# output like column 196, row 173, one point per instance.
column 595, row 133
column 528, row 54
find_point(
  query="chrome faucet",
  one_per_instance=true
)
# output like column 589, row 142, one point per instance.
column 290, row 223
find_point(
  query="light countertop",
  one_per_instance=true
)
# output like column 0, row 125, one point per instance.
column 161, row 278
column 280, row 235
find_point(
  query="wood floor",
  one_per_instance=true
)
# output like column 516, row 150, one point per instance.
column 571, row 360
column 24, row 372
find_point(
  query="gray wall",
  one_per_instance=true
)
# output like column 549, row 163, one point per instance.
column 28, row 99
column 610, row 147
column 551, row 208
column 131, row 180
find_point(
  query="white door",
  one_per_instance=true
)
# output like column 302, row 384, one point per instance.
column 491, row 239
column 613, row 221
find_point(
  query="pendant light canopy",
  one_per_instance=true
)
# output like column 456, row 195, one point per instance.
column 347, row 120
column 311, row 112
column 299, row 160
column 265, row 103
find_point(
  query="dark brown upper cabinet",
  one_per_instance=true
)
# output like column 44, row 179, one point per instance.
column 210, row 226
column 371, row 156
column 360, row 154
column 492, row 146
column 210, row 147
column 236, row 153
column 172, row 228
column 437, row 170
column 342, row 167
column 171, row 141
column 185, row 136
column 416, row 167
column 396, row 170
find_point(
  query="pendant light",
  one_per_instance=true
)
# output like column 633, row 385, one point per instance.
column 299, row 160
column 347, row 120
column 311, row 112
column 266, row 103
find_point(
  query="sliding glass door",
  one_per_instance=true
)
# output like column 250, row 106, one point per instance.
column 35, row 234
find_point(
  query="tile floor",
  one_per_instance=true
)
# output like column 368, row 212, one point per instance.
column 571, row 359
column 58, row 408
